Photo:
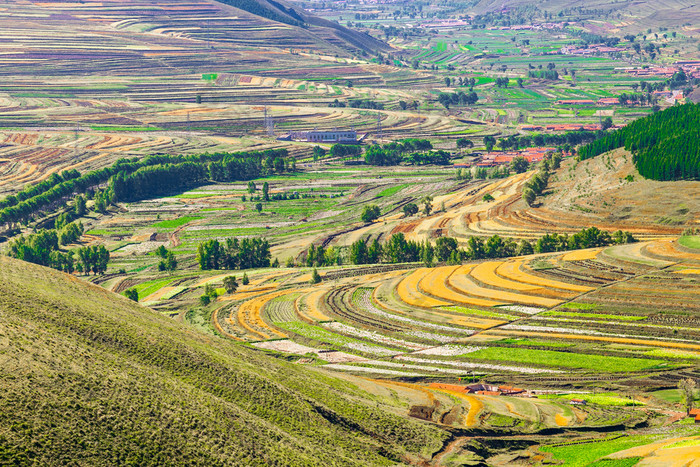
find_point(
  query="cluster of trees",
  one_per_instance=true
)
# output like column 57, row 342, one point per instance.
column 396, row 152
column 460, row 81
column 457, row 98
column 666, row 145
column 133, row 179
column 504, row 82
column 549, row 74
column 156, row 180
column 30, row 191
column 168, row 262
column 536, row 185
column 370, row 213
column 568, row 139
column 234, row 254
column 365, row 104
column 70, row 233
column 320, row 256
column 439, row 157
column 43, row 248
column 446, row 249
column 346, row 150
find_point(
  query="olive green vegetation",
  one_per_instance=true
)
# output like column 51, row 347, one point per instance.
column 690, row 241
column 91, row 378
column 588, row 454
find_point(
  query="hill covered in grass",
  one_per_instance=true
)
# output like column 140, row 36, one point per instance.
column 666, row 145
column 324, row 30
column 90, row 378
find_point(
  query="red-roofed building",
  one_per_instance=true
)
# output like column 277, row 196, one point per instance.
column 609, row 101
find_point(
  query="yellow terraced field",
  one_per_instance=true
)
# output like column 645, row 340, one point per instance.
column 471, row 322
column 435, row 283
column 582, row 255
column 249, row 316
column 486, row 273
column 409, row 293
column 513, row 270
column 689, row 271
column 460, row 281
column 312, row 308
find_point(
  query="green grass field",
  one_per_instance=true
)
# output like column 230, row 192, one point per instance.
column 690, row 241
column 565, row 359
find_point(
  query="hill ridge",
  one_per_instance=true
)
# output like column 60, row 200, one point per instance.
column 144, row 389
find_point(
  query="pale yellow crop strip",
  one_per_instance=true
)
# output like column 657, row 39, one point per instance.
column 409, row 293
column 312, row 305
column 582, row 255
column 435, row 283
column 486, row 273
column 460, row 281
column 249, row 315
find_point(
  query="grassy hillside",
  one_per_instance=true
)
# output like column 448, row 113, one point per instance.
column 93, row 379
column 665, row 144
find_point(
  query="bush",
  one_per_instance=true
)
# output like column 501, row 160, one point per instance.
column 370, row 213
column 132, row 294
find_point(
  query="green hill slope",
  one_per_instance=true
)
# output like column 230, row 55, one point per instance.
column 90, row 378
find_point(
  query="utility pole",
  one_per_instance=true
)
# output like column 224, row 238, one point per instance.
column 269, row 124
column 379, row 125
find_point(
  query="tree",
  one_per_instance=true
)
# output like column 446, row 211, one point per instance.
column 168, row 263
column 427, row 205
column 315, row 277
column 230, row 284
column 489, row 143
column 244, row 279
column 251, row 187
column 132, row 294
column 607, row 123
column 688, row 388
column 444, row 247
column 370, row 213
column 410, row 209
column 80, row 205
column 524, row 248
column 319, row 153
column 519, row 164
column 529, row 196
column 258, row 207
column 488, row 198
column 266, row 192
column 359, row 253
column 464, row 143
column 427, row 254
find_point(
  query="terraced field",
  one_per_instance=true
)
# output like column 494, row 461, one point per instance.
column 583, row 318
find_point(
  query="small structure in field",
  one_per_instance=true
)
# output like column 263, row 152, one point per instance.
column 317, row 136
column 578, row 402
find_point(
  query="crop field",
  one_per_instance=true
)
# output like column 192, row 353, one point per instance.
column 495, row 317
column 540, row 328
